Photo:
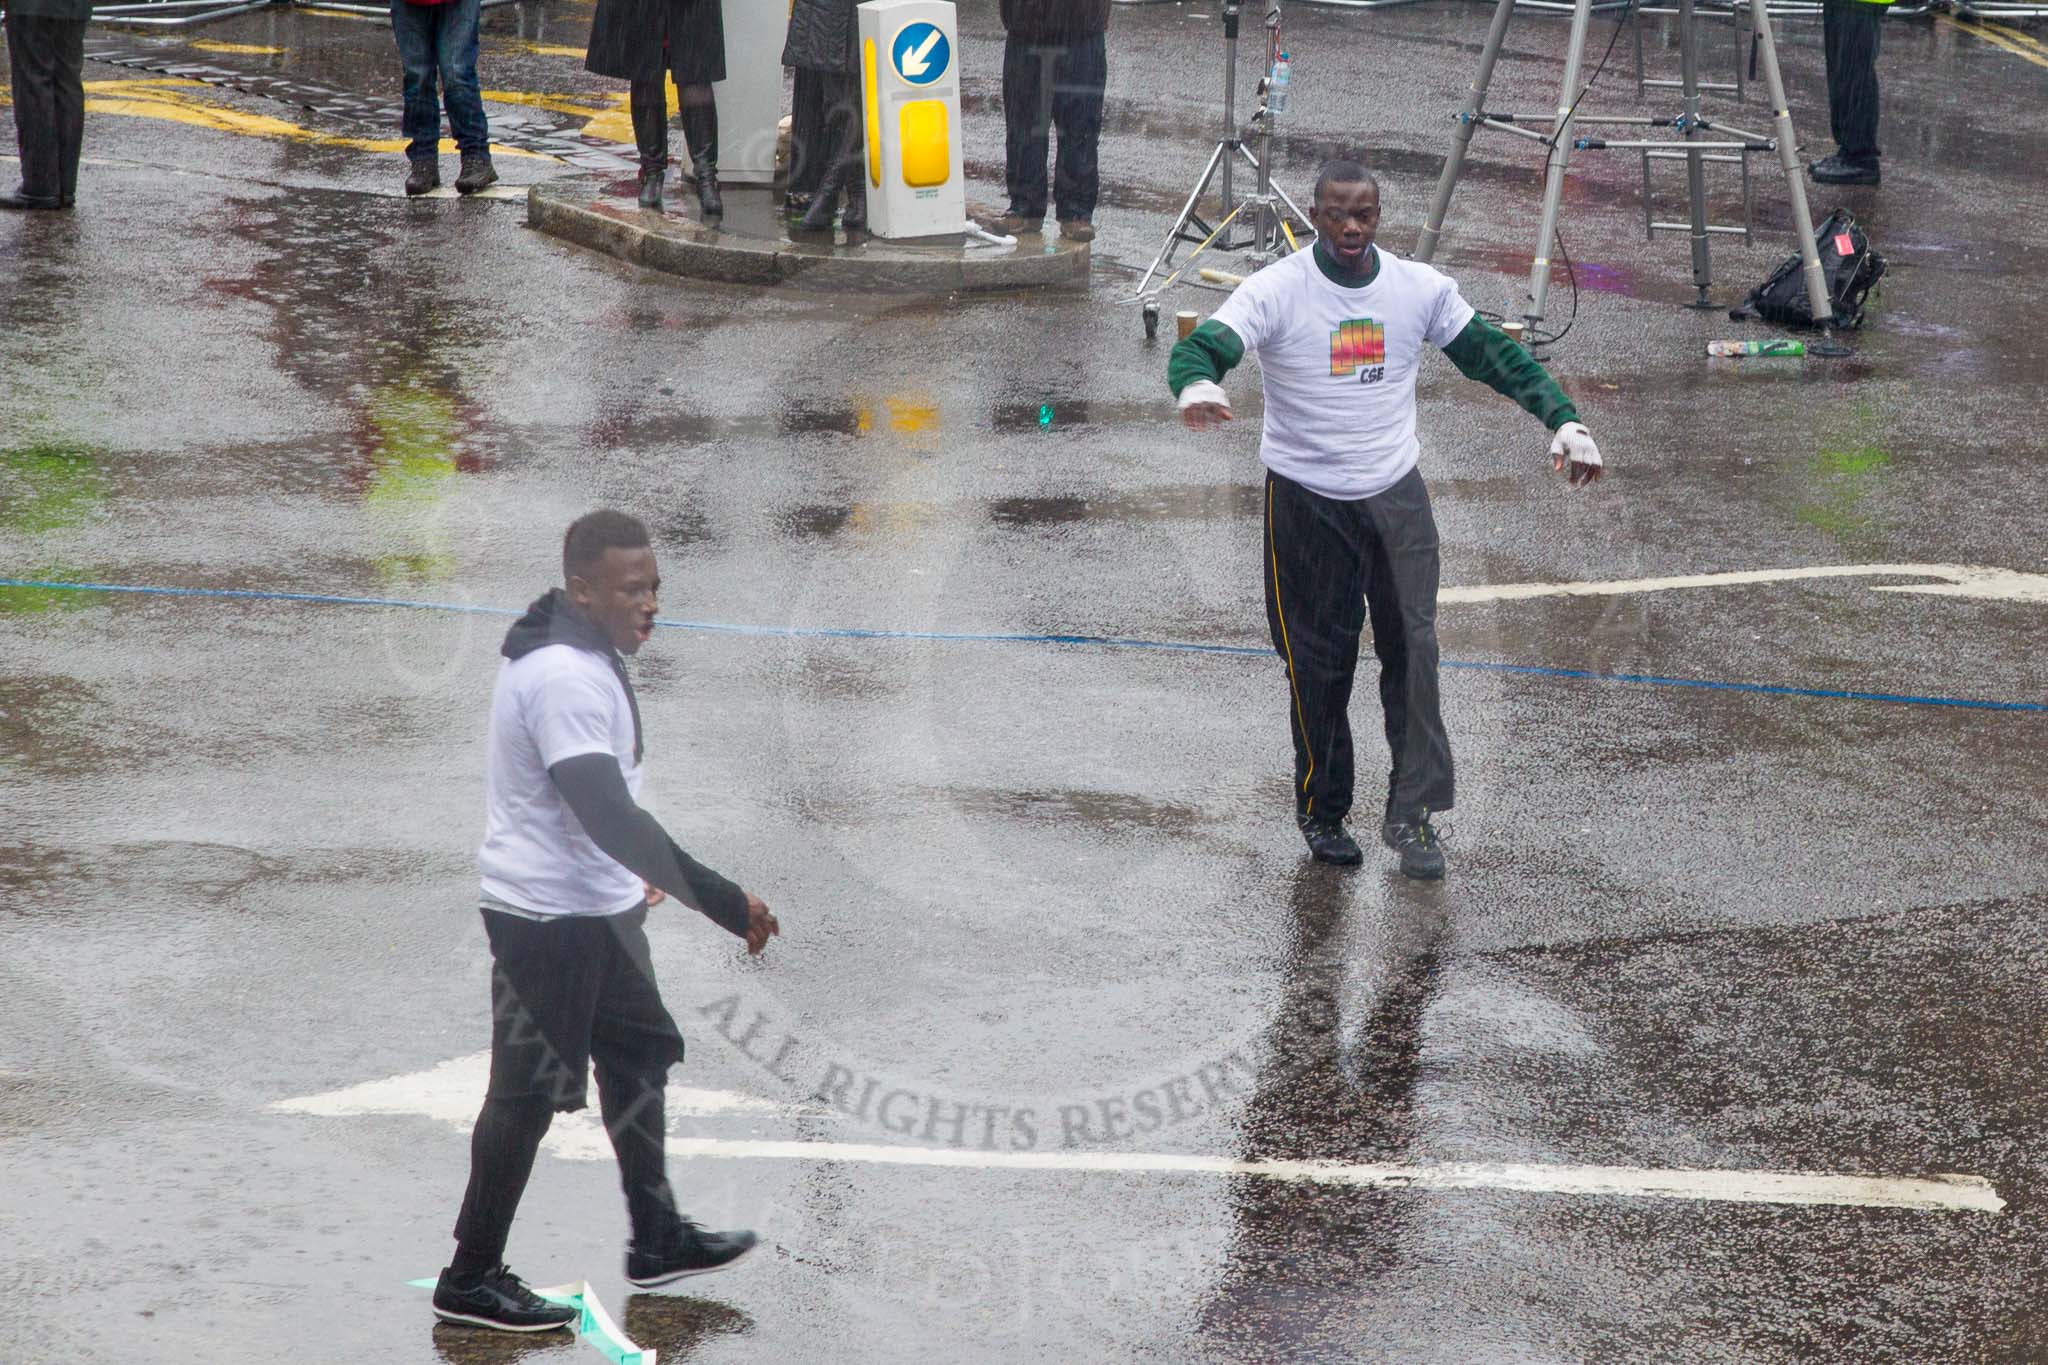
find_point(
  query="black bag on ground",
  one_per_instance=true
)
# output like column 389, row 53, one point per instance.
column 1847, row 264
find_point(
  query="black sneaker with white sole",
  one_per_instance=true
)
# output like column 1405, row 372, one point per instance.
column 1422, row 855
column 498, row 1299
column 694, row 1251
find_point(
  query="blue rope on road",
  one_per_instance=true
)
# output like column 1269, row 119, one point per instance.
column 1097, row 641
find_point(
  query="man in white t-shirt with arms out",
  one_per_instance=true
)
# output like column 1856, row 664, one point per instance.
column 1339, row 331
column 570, row 865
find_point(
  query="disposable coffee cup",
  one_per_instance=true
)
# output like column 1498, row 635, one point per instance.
column 1184, row 322
column 1514, row 331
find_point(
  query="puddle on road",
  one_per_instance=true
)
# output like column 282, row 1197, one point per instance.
column 1165, row 503
column 1117, row 813
column 1183, row 502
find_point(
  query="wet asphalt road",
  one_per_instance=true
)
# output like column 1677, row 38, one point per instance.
column 1685, row 928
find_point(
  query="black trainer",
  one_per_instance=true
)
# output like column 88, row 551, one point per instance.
column 1422, row 855
column 425, row 175
column 498, row 1299
column 1329, row 842
column 696, row 1251
column 1840, row 170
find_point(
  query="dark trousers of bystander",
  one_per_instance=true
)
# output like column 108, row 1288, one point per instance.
column 1850, row 33
column 437, row 44
column 1331, row 565
column 824, row 127
column 46, row 61
column 1048, row 86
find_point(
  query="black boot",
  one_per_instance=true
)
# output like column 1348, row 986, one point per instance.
column 708, row 198
column 425, row 175
column 855, row 218
column 648, row 101
column 700, row 132
column 824, row 204
column 477, row 172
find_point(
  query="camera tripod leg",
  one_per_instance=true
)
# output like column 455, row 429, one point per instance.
column 1795, row 185
column 1175, row 234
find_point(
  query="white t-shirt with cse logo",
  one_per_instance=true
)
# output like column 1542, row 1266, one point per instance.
column 1340, row 366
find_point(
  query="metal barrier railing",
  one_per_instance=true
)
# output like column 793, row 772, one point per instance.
column 188, row 13
column 151, row 15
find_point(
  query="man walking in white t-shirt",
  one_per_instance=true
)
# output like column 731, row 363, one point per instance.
column 570, row 865
column 1339, row 331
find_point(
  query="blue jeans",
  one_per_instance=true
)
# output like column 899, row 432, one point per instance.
column 440, row 39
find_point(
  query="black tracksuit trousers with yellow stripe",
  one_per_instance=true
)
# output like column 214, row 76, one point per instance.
column 1331, row 566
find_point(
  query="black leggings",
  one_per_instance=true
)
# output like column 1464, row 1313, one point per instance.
column 507, row 1138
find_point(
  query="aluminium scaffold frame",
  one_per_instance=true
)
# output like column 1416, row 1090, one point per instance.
column 1561, row 140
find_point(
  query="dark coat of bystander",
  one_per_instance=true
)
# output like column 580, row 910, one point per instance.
column 824, row 35
column 1055, row 21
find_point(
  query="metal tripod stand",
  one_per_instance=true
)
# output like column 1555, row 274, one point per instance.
column 1256, row 224
column 1690, row 123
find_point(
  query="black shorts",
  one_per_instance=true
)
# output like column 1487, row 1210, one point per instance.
column 569, row 991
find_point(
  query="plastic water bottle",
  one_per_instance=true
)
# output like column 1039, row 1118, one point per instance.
column 1276, row 85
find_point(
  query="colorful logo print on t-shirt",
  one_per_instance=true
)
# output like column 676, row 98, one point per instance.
column 1358, row 345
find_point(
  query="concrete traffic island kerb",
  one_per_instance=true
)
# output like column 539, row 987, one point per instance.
column 753, row 245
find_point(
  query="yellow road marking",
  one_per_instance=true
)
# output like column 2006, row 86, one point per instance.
column 2017, row 35
column 252, row 49
column 167, row 99
column 550, row 50
column 559, row 104
column 616, row 123
column 2000, row 36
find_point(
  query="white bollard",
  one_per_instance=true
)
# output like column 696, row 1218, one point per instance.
column 910, row 78
column 750, row 96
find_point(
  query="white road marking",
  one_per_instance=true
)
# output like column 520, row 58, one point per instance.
column 1941, row 1193
column 451, row 1091
column 1960, row 580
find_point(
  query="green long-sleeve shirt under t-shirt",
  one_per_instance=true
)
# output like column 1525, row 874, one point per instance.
column 1340, row 352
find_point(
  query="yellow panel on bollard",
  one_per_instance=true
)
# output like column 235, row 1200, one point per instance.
column 910, row 71
column 874, row 103
column 927, row 151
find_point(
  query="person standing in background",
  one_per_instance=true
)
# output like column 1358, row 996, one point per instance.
column 825, row 134
column 646, row 42
column 438, row 38
column 46, row 57
column 1851, row 30
column 1055, row 65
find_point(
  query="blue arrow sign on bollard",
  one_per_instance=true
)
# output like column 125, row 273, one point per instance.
column 921, row 53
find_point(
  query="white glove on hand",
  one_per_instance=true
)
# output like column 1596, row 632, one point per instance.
column 1573, row 446
column 1209, row 404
